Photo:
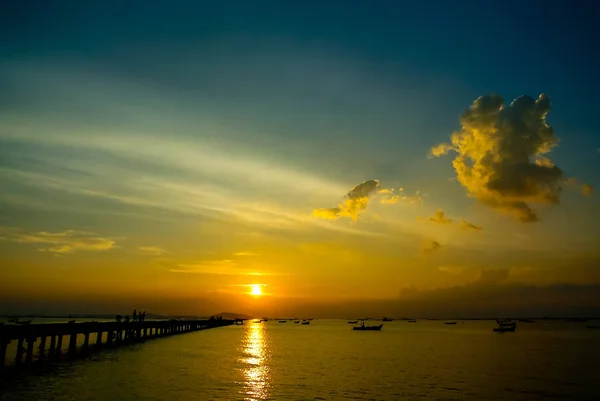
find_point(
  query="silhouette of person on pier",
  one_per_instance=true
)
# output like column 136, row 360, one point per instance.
column 135, row 317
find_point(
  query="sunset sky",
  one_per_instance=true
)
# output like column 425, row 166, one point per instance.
column 349, row 157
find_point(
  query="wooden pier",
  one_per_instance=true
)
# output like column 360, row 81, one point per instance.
column 107, row 334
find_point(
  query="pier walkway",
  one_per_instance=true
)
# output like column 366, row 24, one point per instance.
column 60, row 340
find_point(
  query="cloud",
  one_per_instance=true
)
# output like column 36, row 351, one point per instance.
column 390, row 200
column 586, row 189
column 62, row 242
column 417, row 198
column 393, row 199
column 501, row 154
column 226, row 267
column 431, row 247
column 492, row 276
column 440, row 218
column 457, row 270
column 385, row 191
column 246, row 253
column 356, row 201
column 465, row 225
column 151, row 250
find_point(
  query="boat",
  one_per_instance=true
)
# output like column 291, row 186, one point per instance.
column 306, row 322
column 449, row 322
column 502, row 329
column 505, row 326
column 352, row 321
column 15, row 320
column 283, row 321
column 505, row 323
column 296, row 321
column 387, row 319
column 412, row 320
column 362, row 327
column 265, row 319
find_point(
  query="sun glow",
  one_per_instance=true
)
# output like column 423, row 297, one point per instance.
column 256, row 289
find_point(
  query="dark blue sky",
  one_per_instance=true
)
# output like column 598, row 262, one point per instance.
column 510, row 47
column 481, row 47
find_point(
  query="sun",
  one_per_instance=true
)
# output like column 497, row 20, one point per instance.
column 256, row 290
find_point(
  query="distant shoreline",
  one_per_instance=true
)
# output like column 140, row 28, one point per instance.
column 105, row 316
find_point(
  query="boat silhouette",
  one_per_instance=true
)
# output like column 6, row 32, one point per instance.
column 363, row 327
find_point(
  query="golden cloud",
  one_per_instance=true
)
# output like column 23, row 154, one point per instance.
column 501, row 154
column 440, row 218
column 151, row 250
column 62, row 242
column 465, row 225
column 390, row 200
column 431, row 247
column 355, row 202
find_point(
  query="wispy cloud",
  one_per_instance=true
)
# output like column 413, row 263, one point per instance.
column 246, row 253
column 61, row 242
column 431, row 247
column 465, row 225
column 151, row 250
column 227, row 267
column 440, row 218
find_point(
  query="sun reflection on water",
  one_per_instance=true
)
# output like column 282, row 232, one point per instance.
column 256, row 370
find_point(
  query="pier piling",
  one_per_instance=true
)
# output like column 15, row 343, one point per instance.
column 117, row 334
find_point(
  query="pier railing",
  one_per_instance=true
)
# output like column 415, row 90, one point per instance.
column 51, row 346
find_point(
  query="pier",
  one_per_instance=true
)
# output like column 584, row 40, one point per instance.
column 73, row 340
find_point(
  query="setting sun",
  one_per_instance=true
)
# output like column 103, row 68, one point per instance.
column 256, row 290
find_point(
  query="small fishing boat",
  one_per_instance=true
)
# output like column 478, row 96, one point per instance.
column 449, row 322
column 296, row 321
column 352, row 321
column 502, row 329
column 362, row 327
column 505, row 326
column 387, row 319
column 306, row 322
column 412, row 321
column 283, row 321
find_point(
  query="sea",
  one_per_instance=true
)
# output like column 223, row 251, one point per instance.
column 326, row 360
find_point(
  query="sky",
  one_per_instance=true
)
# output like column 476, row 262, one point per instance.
column 405, row 158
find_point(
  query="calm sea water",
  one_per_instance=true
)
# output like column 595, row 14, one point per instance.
column 325, row 360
